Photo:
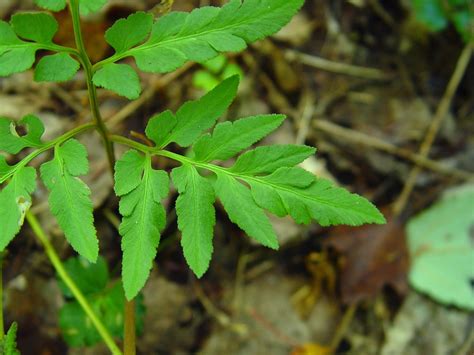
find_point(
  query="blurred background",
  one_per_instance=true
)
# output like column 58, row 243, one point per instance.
column 385, row 91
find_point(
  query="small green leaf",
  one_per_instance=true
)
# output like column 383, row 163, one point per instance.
column 230, row 138
column 15, row 55
column 13, row 140
column 321, row 201
column 441, row 248
column 143, row 219
column 464, row 21
column 107, row 301
column 196, row 116
column 430, row 13
column 15, row 202
column 205, row 32
column 56, row 68
column 128, row 172
column 160, row 60
column 216, row 65
column 52, row 5
column 16, row 60
column 294, row 177
column 267, row 159
column 204, row 80
column 5, row 169
column 86, row 6
column 35, row 26
column 160, row 126
column 90, row 6
column 244, row 212
column 196, row 217
column 89, row 278
column 120, row 78
column 8, row 343
column 126, row 33
column 69, row 198
column 7, row 36
column 76, row 327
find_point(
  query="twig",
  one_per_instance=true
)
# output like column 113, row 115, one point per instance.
column 438, row 119
column 239, row 281
column 306, row 116
column 356, row 137
column 336, row 67
column 222, row 318
column 343, row 326
column 467, row 344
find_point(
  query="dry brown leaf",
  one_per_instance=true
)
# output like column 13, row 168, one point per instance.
column 372, row 257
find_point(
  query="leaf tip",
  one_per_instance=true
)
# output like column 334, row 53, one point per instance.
column 379, row 218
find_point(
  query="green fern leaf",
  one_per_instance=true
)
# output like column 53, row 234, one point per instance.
column 8, row 344
column 15, row 201
column 120, row 78
column 194, row 117
column 196, row 217
column 5, row 169
column 69, row 198
column 52, row 5
column 56, row 68
column 17, row 55
column 229, row 138
column 90, row 6
column 126, row 33
column 143, row 217
column 38, row 27
column 267, row 159
column 320, row 200
column 13, row 141
column 243, row 211
column 205, row 32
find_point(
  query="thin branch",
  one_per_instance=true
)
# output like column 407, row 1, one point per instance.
column 337, row 67
column 356, row 137
column 438, row 119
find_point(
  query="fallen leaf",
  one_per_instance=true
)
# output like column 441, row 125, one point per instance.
column 372, row 257
column 442, row 251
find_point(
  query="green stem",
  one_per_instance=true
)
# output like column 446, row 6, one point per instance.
column 44, row 148
column 133, row 144
column 129, row 326
column 58, row 265
column 129, row 329
column 164, row 153
column 87, row 65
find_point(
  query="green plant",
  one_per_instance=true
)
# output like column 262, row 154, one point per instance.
column 264, row 178
column 214, row 71
column 105, row 297
column 436, row 15
column 8, row 341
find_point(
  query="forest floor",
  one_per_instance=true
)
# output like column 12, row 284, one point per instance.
column 359, row 80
